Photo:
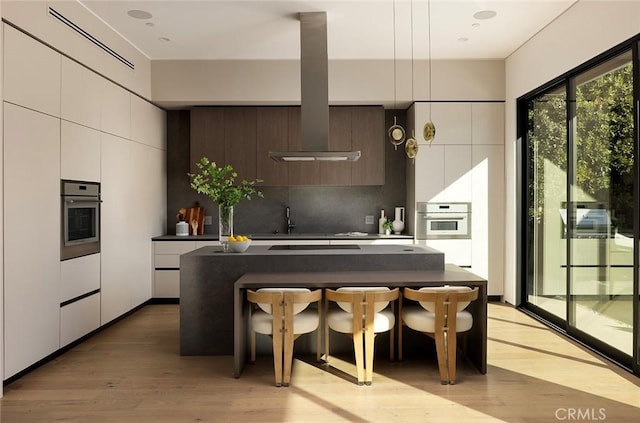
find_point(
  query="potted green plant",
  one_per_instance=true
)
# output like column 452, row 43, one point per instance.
column 219, row 184
column 387, row 226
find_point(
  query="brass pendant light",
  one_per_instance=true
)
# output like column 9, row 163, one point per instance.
column 429, row 130
column 411, row 148
column 396, row 133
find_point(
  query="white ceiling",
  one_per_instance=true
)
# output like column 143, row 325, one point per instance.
column 357, row 29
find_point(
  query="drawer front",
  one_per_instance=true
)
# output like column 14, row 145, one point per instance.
column 166, row 284
column 79, row 276
column 166, row 261
column 79, row 318
column 173, row 247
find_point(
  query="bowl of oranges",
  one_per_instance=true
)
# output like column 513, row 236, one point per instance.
column 239, row 243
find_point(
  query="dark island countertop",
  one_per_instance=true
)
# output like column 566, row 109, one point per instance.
column 292, row 237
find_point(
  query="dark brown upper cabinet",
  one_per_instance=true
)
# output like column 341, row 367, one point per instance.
column 226, row 135
column 243, row 137
column 207, row 135
column 273, row 135
column 368, row 136
column 240, row 141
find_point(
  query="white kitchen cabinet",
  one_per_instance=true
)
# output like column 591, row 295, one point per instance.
column 429, row 173
column 167, row 253
column 166, row 283
column 79, row 318
column 166, row 262
column 133, row 211
column 457, row 174
column 487, row 123
column 31, row 73
column 452, row 121
column 465, row 163
column 118, row 218
column 31, row 237
column 147, row 198
column 81, row 94
column 488, row 215
column 457, row 251
column 115, row 110
column 79, row 276
column 80, row 152
column 148, row 123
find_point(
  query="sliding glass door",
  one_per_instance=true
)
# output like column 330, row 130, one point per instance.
column 547, row 150
column 602, row 207
column 581, row 206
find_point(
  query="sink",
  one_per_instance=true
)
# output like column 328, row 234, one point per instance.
column 315, row 247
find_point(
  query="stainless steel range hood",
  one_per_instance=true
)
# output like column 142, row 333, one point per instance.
column 315, row 95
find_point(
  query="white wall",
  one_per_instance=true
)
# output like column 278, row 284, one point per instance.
column 177, row 83
column 581, row 33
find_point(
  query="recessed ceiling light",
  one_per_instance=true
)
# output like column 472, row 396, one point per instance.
column 475, row 25
column 139, row 14
column 485, row 14
column 463, row 39
column 164, row 39
column 150, row 24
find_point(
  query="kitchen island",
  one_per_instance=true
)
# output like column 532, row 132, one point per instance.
column 208, row 275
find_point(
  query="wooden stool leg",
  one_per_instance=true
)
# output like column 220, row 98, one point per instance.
column 253, row 345
column 326, row 332
column 451, row 356
column 369, row 340
column 442, row 356
column 288, row 340
column 358, row 347
column 392, row 335
column 277, row 357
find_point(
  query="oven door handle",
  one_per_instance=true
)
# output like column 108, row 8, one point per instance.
column 443, row 218
column 71, row 200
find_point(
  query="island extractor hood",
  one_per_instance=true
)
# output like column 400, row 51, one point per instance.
column 314, row 95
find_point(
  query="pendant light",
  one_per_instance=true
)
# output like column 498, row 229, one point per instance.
column 429, row 130
column 411, row 146
column 396, row 132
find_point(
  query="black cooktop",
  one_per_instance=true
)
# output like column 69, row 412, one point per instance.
column 315, row 247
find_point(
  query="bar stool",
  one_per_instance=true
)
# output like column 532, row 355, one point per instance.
column 441, row 315
column 363, row 312
column 282, row 314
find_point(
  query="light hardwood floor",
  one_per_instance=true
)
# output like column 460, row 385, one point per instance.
column 132, row 372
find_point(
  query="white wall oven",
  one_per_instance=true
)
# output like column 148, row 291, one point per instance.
column 80, row 228
column 443, row 220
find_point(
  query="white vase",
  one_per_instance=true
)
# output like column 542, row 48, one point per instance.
column 398, row 223
column 182, row 228
column 381, row 222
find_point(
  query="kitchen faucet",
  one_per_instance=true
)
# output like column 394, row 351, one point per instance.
column 290, row 225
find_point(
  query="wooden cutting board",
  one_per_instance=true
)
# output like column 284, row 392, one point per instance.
column 195, row 216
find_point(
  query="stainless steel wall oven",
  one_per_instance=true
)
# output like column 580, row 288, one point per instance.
column 80, row 211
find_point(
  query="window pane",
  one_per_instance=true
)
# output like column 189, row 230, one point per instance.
column 547, row 180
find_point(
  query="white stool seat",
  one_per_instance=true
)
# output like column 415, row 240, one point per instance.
column 417, row 318
column 342, row 321
column 304, row 322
